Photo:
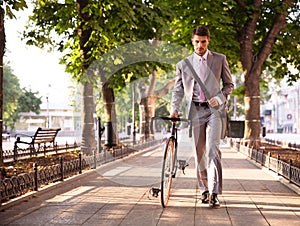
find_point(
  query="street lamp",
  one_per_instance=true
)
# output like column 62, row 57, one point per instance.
column 47, row 98
column 133, row 115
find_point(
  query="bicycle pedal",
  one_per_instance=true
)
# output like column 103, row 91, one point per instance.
column 154, row 191
column 182, row 164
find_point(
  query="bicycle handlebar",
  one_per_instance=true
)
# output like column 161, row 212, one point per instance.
column 170, row 119
column 173, row 121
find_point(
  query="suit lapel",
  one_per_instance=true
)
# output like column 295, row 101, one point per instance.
column 210, row 59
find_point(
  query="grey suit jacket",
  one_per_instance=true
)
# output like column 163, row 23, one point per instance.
column 217, row 71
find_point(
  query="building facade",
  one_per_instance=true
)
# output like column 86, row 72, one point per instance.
column 281, row 114
column 51, row 116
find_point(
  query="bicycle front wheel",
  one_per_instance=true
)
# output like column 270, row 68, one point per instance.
column 167, row 172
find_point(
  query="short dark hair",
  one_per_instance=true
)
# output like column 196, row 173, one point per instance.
column 201, row 31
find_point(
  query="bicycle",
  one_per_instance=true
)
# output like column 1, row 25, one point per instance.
column 170, row 162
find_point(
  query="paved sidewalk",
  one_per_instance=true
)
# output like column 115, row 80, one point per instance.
column 117, row 193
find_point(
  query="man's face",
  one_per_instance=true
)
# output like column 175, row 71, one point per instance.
column 200, row 44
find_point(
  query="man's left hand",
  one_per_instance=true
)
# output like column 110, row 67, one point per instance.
column 213, row 102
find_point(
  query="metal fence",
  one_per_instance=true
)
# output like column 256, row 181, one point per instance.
column 287, row 170
column 11, row 155
column 290, row 145
column 41, row 176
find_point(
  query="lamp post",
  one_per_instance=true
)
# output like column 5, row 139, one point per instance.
column 133, row 115
column 47, row 99
column 48, row 120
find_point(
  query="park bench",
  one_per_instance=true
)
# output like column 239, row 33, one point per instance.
column 42, row 139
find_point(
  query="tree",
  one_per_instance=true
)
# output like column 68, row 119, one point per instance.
column 11, row 93
column 258, row 34
column 17, row 100
column 143, row 57
column 84, row 31
column 29, row 101
column 6, row 8
column 148, row 99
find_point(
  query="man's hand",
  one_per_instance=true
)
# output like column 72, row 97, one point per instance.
column 213, row 102
column 174, row 115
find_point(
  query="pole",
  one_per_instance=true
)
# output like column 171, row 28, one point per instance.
column 99, row 134
column 234, row 108
column 48, row 120
column 133, row 115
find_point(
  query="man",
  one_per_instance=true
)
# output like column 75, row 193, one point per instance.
column 212, row 68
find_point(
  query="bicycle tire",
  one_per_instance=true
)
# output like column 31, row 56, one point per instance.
column 167, row 171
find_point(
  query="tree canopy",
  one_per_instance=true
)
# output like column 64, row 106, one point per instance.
column 7, row 8
column 85, row 30
column 227, row 21
column 112, row 24
column 17, row 99
column 254, row 35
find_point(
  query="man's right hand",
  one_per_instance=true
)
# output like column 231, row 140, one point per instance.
column 174, row 115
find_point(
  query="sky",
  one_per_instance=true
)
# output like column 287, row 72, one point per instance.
column 35, row 68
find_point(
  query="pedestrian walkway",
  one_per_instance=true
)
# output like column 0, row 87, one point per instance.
column 117, row 193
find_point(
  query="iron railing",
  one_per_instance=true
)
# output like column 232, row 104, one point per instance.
column 290, row 145
column 11, row 155
column 284, row 169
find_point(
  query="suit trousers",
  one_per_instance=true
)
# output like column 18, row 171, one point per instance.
column 207, row 126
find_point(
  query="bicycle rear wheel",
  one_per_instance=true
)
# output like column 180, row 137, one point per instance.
column 167, row 172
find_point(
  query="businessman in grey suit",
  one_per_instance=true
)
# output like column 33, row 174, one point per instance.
column 212, row 68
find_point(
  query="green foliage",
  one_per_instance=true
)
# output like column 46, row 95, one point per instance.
column 29, row 102
column 15, row 99
column 112, row 24
column 115, row 23
column 215, row 15
column 12, row 5
column 226, row 21
column 11, row 93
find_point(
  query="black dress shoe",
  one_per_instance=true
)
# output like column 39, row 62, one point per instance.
column 205, row 197
column 214, row 201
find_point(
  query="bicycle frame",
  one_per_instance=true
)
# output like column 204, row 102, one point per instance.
column 174, row 136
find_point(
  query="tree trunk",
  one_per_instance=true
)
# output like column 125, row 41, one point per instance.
column 252, row 109
column 147, row 111
column 147, row 103
column 252, row 63
column 2, row 50
column 110, row 123
column 88, row 108
column 146, row 106
column 88, row 143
